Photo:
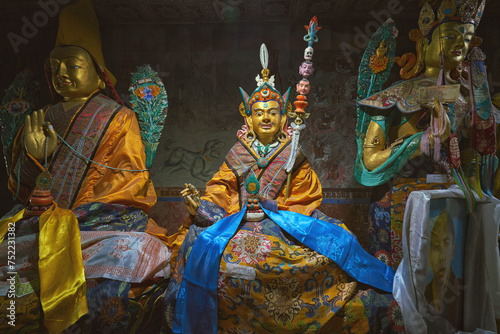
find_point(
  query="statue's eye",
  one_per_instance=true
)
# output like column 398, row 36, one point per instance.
column 74, row 67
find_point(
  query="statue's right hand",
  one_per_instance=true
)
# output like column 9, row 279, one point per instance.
column 192, row 197
column 39, row 140
column 443, row 121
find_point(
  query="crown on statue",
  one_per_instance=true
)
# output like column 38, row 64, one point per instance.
column 264, row 93
column 465, row 11
column 265, row 88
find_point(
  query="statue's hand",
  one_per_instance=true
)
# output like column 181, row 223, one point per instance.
column 443, row 122
column 39, row 139
column 192, row 197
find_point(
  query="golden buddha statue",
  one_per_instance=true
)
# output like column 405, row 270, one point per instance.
column 74, row 78
column 244, row 210
column 418, row 134
column 265, row 122
column 431, row 131
column 451, row 40
column 88, row 148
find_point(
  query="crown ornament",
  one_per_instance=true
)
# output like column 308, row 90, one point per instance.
column 465, row 11
column 265, row 88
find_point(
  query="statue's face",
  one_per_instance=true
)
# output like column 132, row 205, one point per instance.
column 265, row 120
column 453, row 39
column 73, row 72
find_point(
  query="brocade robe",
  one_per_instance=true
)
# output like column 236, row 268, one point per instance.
column 102, row 131
column 266, row 276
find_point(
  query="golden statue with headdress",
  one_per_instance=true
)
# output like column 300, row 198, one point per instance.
column 435, row 130
column 421, row 129
column 238, row 267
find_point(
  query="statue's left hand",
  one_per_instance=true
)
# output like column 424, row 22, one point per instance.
column 192, row 197
column 40, row 139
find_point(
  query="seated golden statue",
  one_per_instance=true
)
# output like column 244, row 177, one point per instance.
column 78, row 165
column 419, row 134
column 257, row 259
column 452, row 40
column 433, row 130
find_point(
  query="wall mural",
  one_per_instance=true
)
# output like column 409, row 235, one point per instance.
column 203, row 115
column 199, row 163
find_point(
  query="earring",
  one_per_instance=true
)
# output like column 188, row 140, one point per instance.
column 281, row 136
column 250, row 137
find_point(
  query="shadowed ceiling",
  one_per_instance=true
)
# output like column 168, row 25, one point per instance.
column 220, row 11
column 204, row 11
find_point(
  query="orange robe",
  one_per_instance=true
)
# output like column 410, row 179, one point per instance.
column 304, row 197
column 118, row 146
column 108, row 134
column 279, row 296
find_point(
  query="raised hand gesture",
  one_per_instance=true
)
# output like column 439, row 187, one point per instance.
column 40, row 139
column 440, row 112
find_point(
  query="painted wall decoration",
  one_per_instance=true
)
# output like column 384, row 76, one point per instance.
column 204, row 118
column 198, row 163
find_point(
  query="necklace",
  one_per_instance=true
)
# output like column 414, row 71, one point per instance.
column 263, row 151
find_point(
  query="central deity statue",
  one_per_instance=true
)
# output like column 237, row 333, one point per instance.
column 260, row 257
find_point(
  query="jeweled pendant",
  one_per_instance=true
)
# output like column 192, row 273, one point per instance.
column 262, row 162
column 41, row 199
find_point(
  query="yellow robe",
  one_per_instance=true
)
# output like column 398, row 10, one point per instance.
column 118, row 145
column 304, row 197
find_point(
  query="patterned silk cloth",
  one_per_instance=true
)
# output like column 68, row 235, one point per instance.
column 118, row 255
column 449, row 278
column 386, row 219
column 266, row 278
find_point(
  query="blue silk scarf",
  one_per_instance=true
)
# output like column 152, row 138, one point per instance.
column 196, row 309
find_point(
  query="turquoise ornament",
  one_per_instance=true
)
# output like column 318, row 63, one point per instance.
column 149, row 101
column 262, row 162
column 370, row 83
column 252, row 185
